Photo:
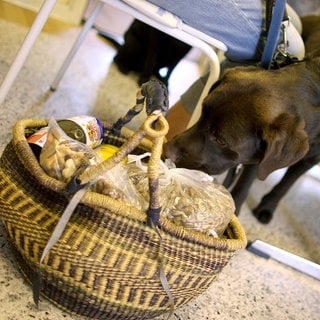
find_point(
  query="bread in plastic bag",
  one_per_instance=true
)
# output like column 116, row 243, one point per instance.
column 116, row 184
column 189, row 198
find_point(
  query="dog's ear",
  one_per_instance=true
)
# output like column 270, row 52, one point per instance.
column 286, row 143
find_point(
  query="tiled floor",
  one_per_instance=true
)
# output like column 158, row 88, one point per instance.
column 250, row 287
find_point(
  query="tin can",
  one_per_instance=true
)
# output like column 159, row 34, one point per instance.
column 85, row 129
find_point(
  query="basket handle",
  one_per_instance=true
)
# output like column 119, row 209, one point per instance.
column 155, row 127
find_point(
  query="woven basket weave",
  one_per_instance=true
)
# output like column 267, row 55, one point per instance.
column 106, row 263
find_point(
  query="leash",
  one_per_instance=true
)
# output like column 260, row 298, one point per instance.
column 275, row 10
column 275, row 54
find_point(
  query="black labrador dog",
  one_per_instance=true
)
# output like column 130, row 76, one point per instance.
column 261, row 119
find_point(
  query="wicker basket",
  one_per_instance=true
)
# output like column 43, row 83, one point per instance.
column 107, row 262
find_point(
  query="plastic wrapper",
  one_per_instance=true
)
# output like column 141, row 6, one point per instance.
column 189, row 198
column 63, row 157
column 116, row 184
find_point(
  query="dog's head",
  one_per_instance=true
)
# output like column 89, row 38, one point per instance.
column 245, row 120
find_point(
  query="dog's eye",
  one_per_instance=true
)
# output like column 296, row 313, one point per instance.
column 214, row 137
column 221, row 142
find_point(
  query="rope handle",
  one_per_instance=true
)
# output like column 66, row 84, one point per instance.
column 155, row 95
column 156, row 135
column 155, row 127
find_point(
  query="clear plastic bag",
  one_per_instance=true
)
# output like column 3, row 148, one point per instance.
column 189, row 198
column 116, row 184
column 63, row 157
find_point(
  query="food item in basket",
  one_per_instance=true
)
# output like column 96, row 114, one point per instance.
column 105, row 151
column 103, row 186
column 85, row 129
column 116, row 184
column 62, row 157
column 207, row 208
column 189, row 198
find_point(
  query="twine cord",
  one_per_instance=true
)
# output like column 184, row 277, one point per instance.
column 162, row 275
column 135, row 110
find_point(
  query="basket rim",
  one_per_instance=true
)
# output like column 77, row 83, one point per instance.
column 236, row 235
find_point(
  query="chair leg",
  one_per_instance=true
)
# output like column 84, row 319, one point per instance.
column 25, row 48
column 87, row 26
column 214, row 74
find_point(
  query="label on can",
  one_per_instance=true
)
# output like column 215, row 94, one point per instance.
column 85, row 129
